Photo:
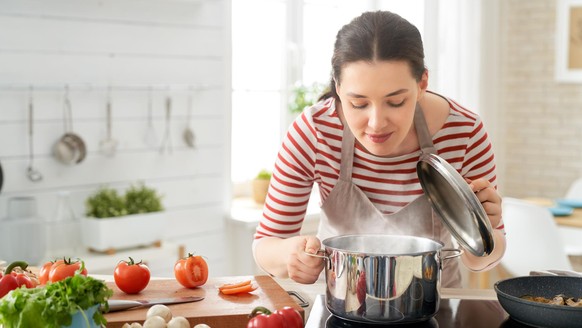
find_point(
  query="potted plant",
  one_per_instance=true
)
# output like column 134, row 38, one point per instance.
column 304, row 96
column 261, row 186
column 115, row 221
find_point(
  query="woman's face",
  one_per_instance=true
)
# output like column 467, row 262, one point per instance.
column 378, row 101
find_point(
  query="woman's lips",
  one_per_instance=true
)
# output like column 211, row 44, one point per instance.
column 379, row 138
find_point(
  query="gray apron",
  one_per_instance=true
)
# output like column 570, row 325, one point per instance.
column 347, row 210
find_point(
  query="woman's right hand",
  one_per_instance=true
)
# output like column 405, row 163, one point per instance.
column 301, row 267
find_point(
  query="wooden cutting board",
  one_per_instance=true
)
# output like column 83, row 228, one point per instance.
column 216, row 310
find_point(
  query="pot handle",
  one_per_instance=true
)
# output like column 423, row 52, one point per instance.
column 320, row 256
column 458, row 252
column 317, row 254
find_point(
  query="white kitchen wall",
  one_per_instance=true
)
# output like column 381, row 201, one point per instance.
column 178, row 49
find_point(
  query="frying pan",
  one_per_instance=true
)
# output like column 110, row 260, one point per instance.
column 509, row 292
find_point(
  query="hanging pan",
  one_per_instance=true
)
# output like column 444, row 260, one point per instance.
column 70, row 148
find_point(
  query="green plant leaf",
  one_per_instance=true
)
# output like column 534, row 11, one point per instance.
column 141, row 199
column 264, row 174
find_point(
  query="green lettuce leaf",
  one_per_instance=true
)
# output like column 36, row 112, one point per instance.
column 55, row 304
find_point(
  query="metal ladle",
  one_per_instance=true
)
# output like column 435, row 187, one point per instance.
column 167, row 141
column 109, row 144
column 150, row 137
column 33, row 174
column 188, row 134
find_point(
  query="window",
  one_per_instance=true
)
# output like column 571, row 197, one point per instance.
column 292, row 42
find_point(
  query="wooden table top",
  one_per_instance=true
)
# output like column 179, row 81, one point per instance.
column 574, row 220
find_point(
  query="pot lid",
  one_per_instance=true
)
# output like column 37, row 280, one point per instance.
column 457, row 205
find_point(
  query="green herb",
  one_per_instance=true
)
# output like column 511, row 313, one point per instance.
column 141, row 199
column 106, row 203
column 54, row 304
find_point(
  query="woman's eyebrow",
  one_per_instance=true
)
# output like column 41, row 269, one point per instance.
column 395, row 93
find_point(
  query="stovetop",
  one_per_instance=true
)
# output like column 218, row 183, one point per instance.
column 452, row 313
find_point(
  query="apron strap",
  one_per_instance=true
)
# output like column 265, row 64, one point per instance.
column 347, row 160
column 422, row 133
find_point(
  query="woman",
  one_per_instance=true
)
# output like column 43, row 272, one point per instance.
column 360, row 143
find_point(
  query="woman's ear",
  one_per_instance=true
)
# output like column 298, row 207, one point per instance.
column 423, row 84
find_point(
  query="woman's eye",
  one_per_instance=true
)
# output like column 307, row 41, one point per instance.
column 359, row 106
column 391, row 104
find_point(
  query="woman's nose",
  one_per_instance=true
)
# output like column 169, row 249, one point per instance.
column 377, row 119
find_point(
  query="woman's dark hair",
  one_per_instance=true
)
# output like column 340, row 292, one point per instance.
column 379, row 35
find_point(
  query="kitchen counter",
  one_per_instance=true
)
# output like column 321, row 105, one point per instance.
column 476, row 301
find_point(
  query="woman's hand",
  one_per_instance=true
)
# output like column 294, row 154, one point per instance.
column 489, row 198
column 491, row 202
column 301, row 267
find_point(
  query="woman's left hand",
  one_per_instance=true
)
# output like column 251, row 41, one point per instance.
column 489, row 198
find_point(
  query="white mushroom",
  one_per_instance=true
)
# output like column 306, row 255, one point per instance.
column 126, row 325
column 160, row 311
column 201, row 325
column 178, row 322
column 136, row 325
column 155, row 322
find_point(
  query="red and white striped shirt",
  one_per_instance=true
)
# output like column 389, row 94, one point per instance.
column 311, row 153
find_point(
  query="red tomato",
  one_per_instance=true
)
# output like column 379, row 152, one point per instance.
column 45, row 270
column 62, row 269
column 131, row 277
column 191, row 271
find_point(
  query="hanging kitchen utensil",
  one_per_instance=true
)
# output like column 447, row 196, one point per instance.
column 108, row 145
column 188, row 134
column 167, row 141
column 33, row 174
column 150, row 137
column 1, row 177
column 70, row 148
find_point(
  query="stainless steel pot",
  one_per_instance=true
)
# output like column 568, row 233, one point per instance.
column 383, row 278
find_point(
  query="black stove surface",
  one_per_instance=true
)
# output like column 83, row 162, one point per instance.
column 452, row 313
